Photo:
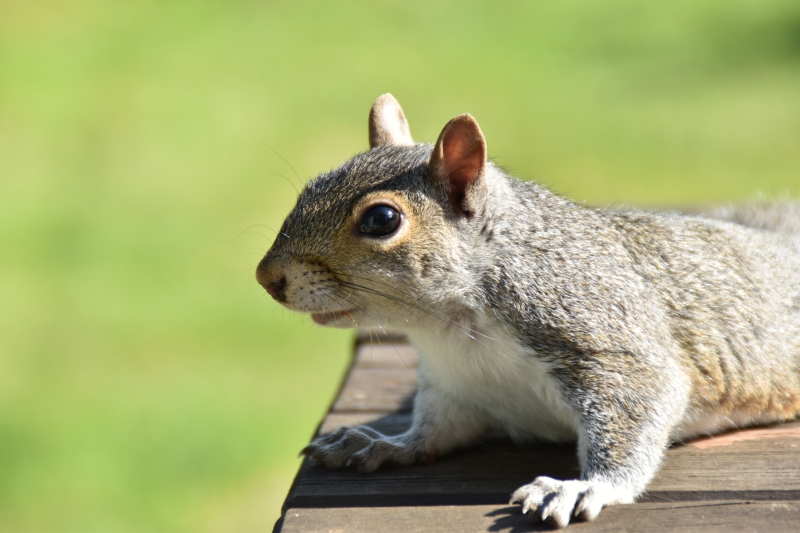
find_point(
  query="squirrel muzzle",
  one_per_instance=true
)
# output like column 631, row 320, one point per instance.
column 273, row 278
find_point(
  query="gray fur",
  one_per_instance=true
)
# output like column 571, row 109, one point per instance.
column 649, row 327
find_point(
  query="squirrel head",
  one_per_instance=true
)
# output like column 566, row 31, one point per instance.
column 386, row 238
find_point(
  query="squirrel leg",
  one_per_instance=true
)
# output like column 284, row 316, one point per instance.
column 620, row 446
column 439, row 424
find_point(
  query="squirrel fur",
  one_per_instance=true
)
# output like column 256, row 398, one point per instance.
column 543, row 318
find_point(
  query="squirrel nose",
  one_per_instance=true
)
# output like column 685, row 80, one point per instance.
column 273, row 279
column 277, row 289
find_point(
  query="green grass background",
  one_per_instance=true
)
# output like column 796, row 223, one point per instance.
column 146, row 381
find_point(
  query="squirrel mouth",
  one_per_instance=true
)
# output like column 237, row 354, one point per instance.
column 329, row 316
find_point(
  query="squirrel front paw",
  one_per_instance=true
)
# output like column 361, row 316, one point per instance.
column 557, row 502
column 362, row 446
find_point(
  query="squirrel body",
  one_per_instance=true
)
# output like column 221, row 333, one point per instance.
column 623, row 330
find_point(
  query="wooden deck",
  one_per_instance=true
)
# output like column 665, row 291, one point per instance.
column 739, row 481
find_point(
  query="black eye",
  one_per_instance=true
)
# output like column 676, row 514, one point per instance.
column 380, row 221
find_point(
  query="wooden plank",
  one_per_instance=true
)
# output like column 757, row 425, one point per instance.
column 384, row 390
column 388, row 424
column 758, row 465
column 763, row 468
column 756, row 459
column 484, row 474
column 392, row 355
column 376, row 335
column 709, row 517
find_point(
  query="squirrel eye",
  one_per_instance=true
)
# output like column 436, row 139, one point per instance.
column 380, row 221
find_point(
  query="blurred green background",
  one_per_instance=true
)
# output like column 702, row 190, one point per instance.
column 146, row 382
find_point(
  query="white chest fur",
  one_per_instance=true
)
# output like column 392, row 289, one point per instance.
column 491, row 373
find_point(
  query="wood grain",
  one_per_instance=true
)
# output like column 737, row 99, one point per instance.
column 491, row 470
column 392, row 355
column 384, row 390
column 743, row 481
column 709, row 517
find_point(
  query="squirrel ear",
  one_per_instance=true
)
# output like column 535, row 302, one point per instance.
column 387, row 123
column 459, row 159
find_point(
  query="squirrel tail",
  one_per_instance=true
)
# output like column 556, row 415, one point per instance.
column 774, row 215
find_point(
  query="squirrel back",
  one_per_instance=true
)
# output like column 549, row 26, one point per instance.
column 540, row 316
column 783, row 216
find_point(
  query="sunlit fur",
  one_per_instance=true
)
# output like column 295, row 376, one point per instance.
column 546, row 319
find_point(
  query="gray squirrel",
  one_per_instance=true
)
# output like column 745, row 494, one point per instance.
column 540, row 317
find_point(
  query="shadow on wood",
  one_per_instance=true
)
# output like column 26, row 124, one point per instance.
column 743, row 480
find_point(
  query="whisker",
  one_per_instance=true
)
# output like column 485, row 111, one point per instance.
column 252, row 268
column 296, row 175
column 395, row 298
column 360, row 308
column 287, row 179
column 405, row 303
column 409, row 303
column 255, row 226
column 402, row 302
column 376, row 323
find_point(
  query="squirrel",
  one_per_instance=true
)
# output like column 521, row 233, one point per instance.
column 546, row 319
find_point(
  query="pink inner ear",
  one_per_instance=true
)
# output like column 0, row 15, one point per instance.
column 463, row 154
column 458, row 160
